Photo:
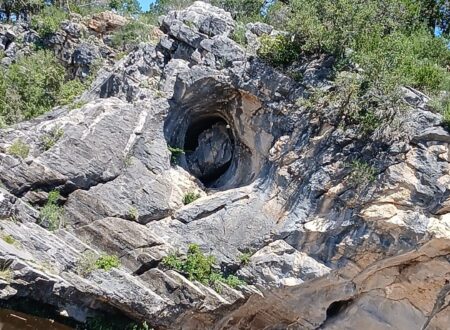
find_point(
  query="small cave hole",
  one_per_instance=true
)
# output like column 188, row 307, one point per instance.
column 336, row 307
column 209, row 148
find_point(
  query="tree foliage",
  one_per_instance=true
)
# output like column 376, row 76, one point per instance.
column 392, row 40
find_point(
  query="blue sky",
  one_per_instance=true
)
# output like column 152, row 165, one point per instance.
column 145, row 4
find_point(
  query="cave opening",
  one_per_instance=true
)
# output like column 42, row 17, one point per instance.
column 209, row 148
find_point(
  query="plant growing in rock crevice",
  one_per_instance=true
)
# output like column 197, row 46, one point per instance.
column 19, row 149
column 107, row 262
column 90, row 261
column 197, row 266
column 176, row 153
column 8, row 239
column 6, row 272
column 133, row 213
column 244, row 258
column 51, row 138
column 51, row 216
column 362, row 173
column 190, row 197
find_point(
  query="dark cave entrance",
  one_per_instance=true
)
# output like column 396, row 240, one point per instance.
column 209, row 147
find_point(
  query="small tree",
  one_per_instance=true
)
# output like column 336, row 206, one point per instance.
column 129, row 7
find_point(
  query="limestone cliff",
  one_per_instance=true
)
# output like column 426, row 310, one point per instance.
column 345, row 231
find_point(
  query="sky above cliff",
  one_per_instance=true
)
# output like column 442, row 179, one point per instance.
column 145, row 4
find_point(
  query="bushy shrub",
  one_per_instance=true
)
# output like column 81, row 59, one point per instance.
column 245, row 258
column 238, row 34
column 175, row 154
column 30, row 86
column 9, row 239
column 51, row 215
column 133, row 213
column 362, row 172
column 393, row 42
column 33, row 85
column 69, row 91
column 49, row 139
column 197, row 266
column 48, row 20
column 86, row 264
column 107, row 262
column 190, row 197
column 129, row 7
column 277, row 50
column 19, row 149
column 441, row 104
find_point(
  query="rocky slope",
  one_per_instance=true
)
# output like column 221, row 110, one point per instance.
column 334, row 245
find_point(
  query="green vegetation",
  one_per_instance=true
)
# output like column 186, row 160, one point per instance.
column 48, row 20
column 278, row 50
column 107, row 262
column 125, row 7
column 8, row 239
column 133, row 213
column 362, row 173
column 86, row 264
column 190, row 197
column 441, row 104
column 245, row 258
column 197, row 266
column 90, row 261
column 6, row 274
column 49, row 139
column 51, row 215
column 392, row 42
column 30, row 86
column 70, row 90
column 238, row 34
column 19, row 149
column 176, row 153
column 131, row 35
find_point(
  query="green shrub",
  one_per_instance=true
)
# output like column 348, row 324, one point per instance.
column 391, row 41
column 70, row 91
column 130, row 7
column 51, row 215
column 278, row 50
column 33, row 85
column 107, row 262
column 131, row 35
column 48, row 20
column 30, row 86
column 441, row 104
column 197, row 266
column 362, row 172
column 176, row 153
column 19, row 149
column 133, row 213
column 238, row 34
column 50, row 139
column 9, row 239
column 86, row 264
column 190, row 197
column 245, row 258
column 6, row 273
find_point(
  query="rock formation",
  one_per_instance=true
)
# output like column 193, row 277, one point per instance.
column 333, row 246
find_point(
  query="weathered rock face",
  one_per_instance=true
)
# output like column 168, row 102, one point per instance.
column 332, row 246
column 78, row 44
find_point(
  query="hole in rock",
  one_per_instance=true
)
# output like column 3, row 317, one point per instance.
column 336, row 307
column 209, row 148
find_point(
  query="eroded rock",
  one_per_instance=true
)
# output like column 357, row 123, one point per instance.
column 331, row 247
